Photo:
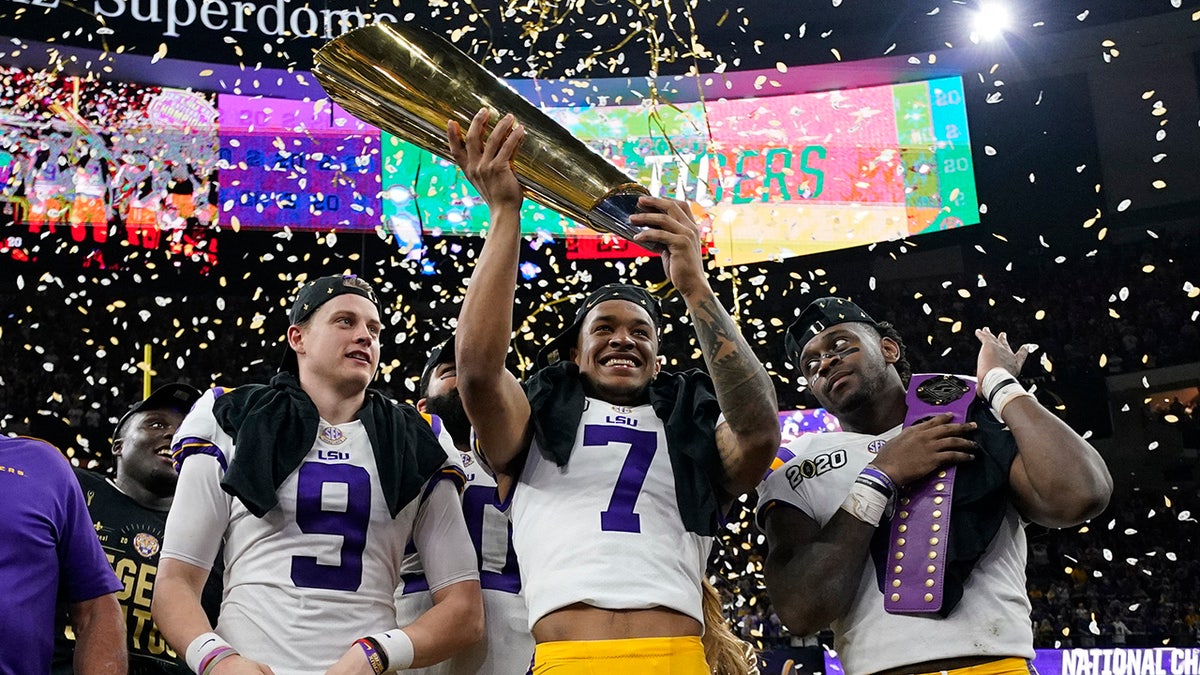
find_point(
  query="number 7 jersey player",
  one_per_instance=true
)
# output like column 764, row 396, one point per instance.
column 315, row 483
column 615, row 474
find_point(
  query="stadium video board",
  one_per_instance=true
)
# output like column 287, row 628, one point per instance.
column 769, row 177
column 774, row 176
column 795, row 423
column 78, row 154
column 296, row 164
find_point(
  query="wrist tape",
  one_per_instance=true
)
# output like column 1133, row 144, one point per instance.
column 868, row 498
column 206, row 650
column 396, row 649
column 999, row 388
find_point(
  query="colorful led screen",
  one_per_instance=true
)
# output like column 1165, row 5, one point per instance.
column 814, row 172
column 795, row 423
column 768, row 177
column 294, row 164
column 96, row 161
column 774, row 177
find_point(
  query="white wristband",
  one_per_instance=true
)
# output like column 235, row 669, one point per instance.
column 201, row 647
column 398, row 647
column 999, row 388
column 865, row 503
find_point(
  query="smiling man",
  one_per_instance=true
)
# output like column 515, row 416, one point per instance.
column 315, row 483
column 616, row 475
column 129, row 513
column 905, row 531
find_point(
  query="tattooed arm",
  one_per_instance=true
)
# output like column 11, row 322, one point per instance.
column 748, row 439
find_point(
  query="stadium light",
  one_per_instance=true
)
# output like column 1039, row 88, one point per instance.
column 991, row 20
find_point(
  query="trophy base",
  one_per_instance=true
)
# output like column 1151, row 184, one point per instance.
column 611, row 215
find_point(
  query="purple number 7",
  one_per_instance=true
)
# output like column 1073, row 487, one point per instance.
column 619, row 516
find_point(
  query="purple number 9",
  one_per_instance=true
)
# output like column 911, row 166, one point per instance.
column 351, row 524
column 619, row 516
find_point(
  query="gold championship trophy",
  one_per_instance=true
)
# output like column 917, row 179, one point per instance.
column 410, row 82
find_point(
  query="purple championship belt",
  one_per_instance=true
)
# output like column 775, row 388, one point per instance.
column 916, row 562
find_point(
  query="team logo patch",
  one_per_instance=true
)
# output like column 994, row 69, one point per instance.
column 146, row 544
column 875, row 445
column 333, row 436
column 466, row 459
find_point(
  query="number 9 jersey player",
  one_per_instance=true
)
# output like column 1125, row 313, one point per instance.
column 316, row 484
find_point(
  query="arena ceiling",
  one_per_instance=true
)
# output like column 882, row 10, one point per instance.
column 579, row 38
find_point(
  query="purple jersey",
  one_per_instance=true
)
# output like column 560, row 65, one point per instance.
column 49, row 548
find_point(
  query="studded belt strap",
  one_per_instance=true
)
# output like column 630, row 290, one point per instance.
column 916, row 564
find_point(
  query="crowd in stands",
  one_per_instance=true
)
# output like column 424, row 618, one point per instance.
column 1127, row 578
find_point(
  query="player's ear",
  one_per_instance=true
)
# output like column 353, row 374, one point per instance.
column 890, row 349
column 421, row 405
column 295, row 338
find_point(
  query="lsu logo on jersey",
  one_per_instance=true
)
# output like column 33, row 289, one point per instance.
column 621, row 419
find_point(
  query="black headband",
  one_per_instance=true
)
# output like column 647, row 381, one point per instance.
column 819, row 315
column 559, row 348
column 176, row 396
column 315, row 293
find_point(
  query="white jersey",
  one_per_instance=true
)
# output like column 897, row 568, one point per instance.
column 606, row 530
column 507, row 646
column 319, row 570
column 814, row 473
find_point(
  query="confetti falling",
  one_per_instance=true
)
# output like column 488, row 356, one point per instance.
column 208, row 295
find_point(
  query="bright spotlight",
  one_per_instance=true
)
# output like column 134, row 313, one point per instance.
column 991, row 20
